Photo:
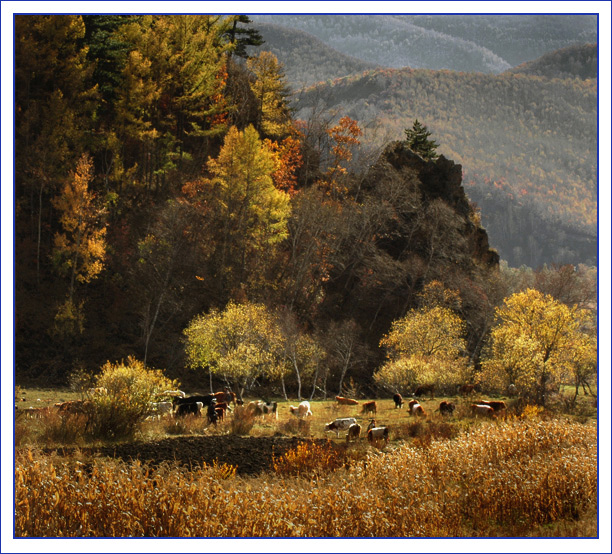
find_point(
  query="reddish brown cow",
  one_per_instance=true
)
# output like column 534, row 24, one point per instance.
column 423, row 390
column 368, row 407
column 497, row 405
column 346, row 401
column 446, row 408
column 415, row 409
column 398, row 400
column 226, row 396
column 482, row 410
column 466, row 390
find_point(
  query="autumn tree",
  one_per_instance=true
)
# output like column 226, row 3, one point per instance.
column 80, row 248
column 302, row 353
column 240, row 344
column 271, row 90
column 170, row 102
column 54, row 101
column 427, row 346
column 535, row 339
column 251, row 212
column 344, row 139
column 419, row 142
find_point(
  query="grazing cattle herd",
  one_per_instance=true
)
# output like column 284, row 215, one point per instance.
column 214, row 407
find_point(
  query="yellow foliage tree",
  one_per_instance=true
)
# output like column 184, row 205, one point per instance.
column 271, row 91
column 424, row 347
column 534, row 344
column 242, row 343
column 80, row 249
column 252, row 212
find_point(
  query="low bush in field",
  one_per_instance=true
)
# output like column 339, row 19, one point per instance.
column 129, row 388
column 499, row 479
column 310, row 458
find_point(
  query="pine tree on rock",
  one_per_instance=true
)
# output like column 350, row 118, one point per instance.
column 418, row 141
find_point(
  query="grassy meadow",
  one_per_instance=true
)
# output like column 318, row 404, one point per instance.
column 532, row 473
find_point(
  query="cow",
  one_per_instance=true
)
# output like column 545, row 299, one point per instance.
column 346, row 401
column 497, row 405
column 226, row 396
column 398, row 400
column 187, row 408
column 415, row 409
column 206, row 399
column 512, row 390
column 223, row 407
column 35, row 412
column 368, row 407
column 271, row 408
column 340, row 424
column 377, row 434
column 159, row 409
column 254, row 408
column 212, row 414
column 354, row 432
column 422, row 390
column 482, row 410
column 466, row 390
column 302, row 409
column 74, row 407
column 446, row 408
column 371, row 425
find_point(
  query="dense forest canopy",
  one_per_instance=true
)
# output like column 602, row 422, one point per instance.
column 161, row 174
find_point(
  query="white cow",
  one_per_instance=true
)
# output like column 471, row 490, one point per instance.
column 302, row 409
column 340, row 424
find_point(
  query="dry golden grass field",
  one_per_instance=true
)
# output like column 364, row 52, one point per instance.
column 531, row 473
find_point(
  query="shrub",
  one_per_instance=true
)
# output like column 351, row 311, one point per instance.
column 130, row 388
column 310, row 458
column 242, row 421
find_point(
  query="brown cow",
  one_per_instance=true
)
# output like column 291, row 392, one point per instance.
column 422, row 390
column 482, row 410
column 415, row 409
column 226, row 396
column 346, row 401
column 399, row 401
column 446, row 408
column 354, row 432
column 497, row 405
column 466, row 390
column 368, row 407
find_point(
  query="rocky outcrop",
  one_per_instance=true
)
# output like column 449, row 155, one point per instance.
column 436, row 180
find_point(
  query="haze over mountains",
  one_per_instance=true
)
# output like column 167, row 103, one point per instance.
column 512, row 98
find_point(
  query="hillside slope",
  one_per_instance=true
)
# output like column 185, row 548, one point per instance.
column 306, row 59
column 532, row 138
column 488, row 44
column 573, row 62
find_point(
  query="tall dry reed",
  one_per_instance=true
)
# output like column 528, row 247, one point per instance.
column 499, row 479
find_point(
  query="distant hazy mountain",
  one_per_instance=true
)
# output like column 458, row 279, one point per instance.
column 306, row 59
column 578, row 61
column 488, row 44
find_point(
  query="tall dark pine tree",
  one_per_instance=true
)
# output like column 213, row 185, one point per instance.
column 418, row 141
column 243, row 37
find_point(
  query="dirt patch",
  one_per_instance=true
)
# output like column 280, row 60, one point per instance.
column 250, row 455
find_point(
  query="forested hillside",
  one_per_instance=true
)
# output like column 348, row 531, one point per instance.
column 306, row 59
column 479, row 43
column 572, row 62
column 159, row 175
column 527, row 145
